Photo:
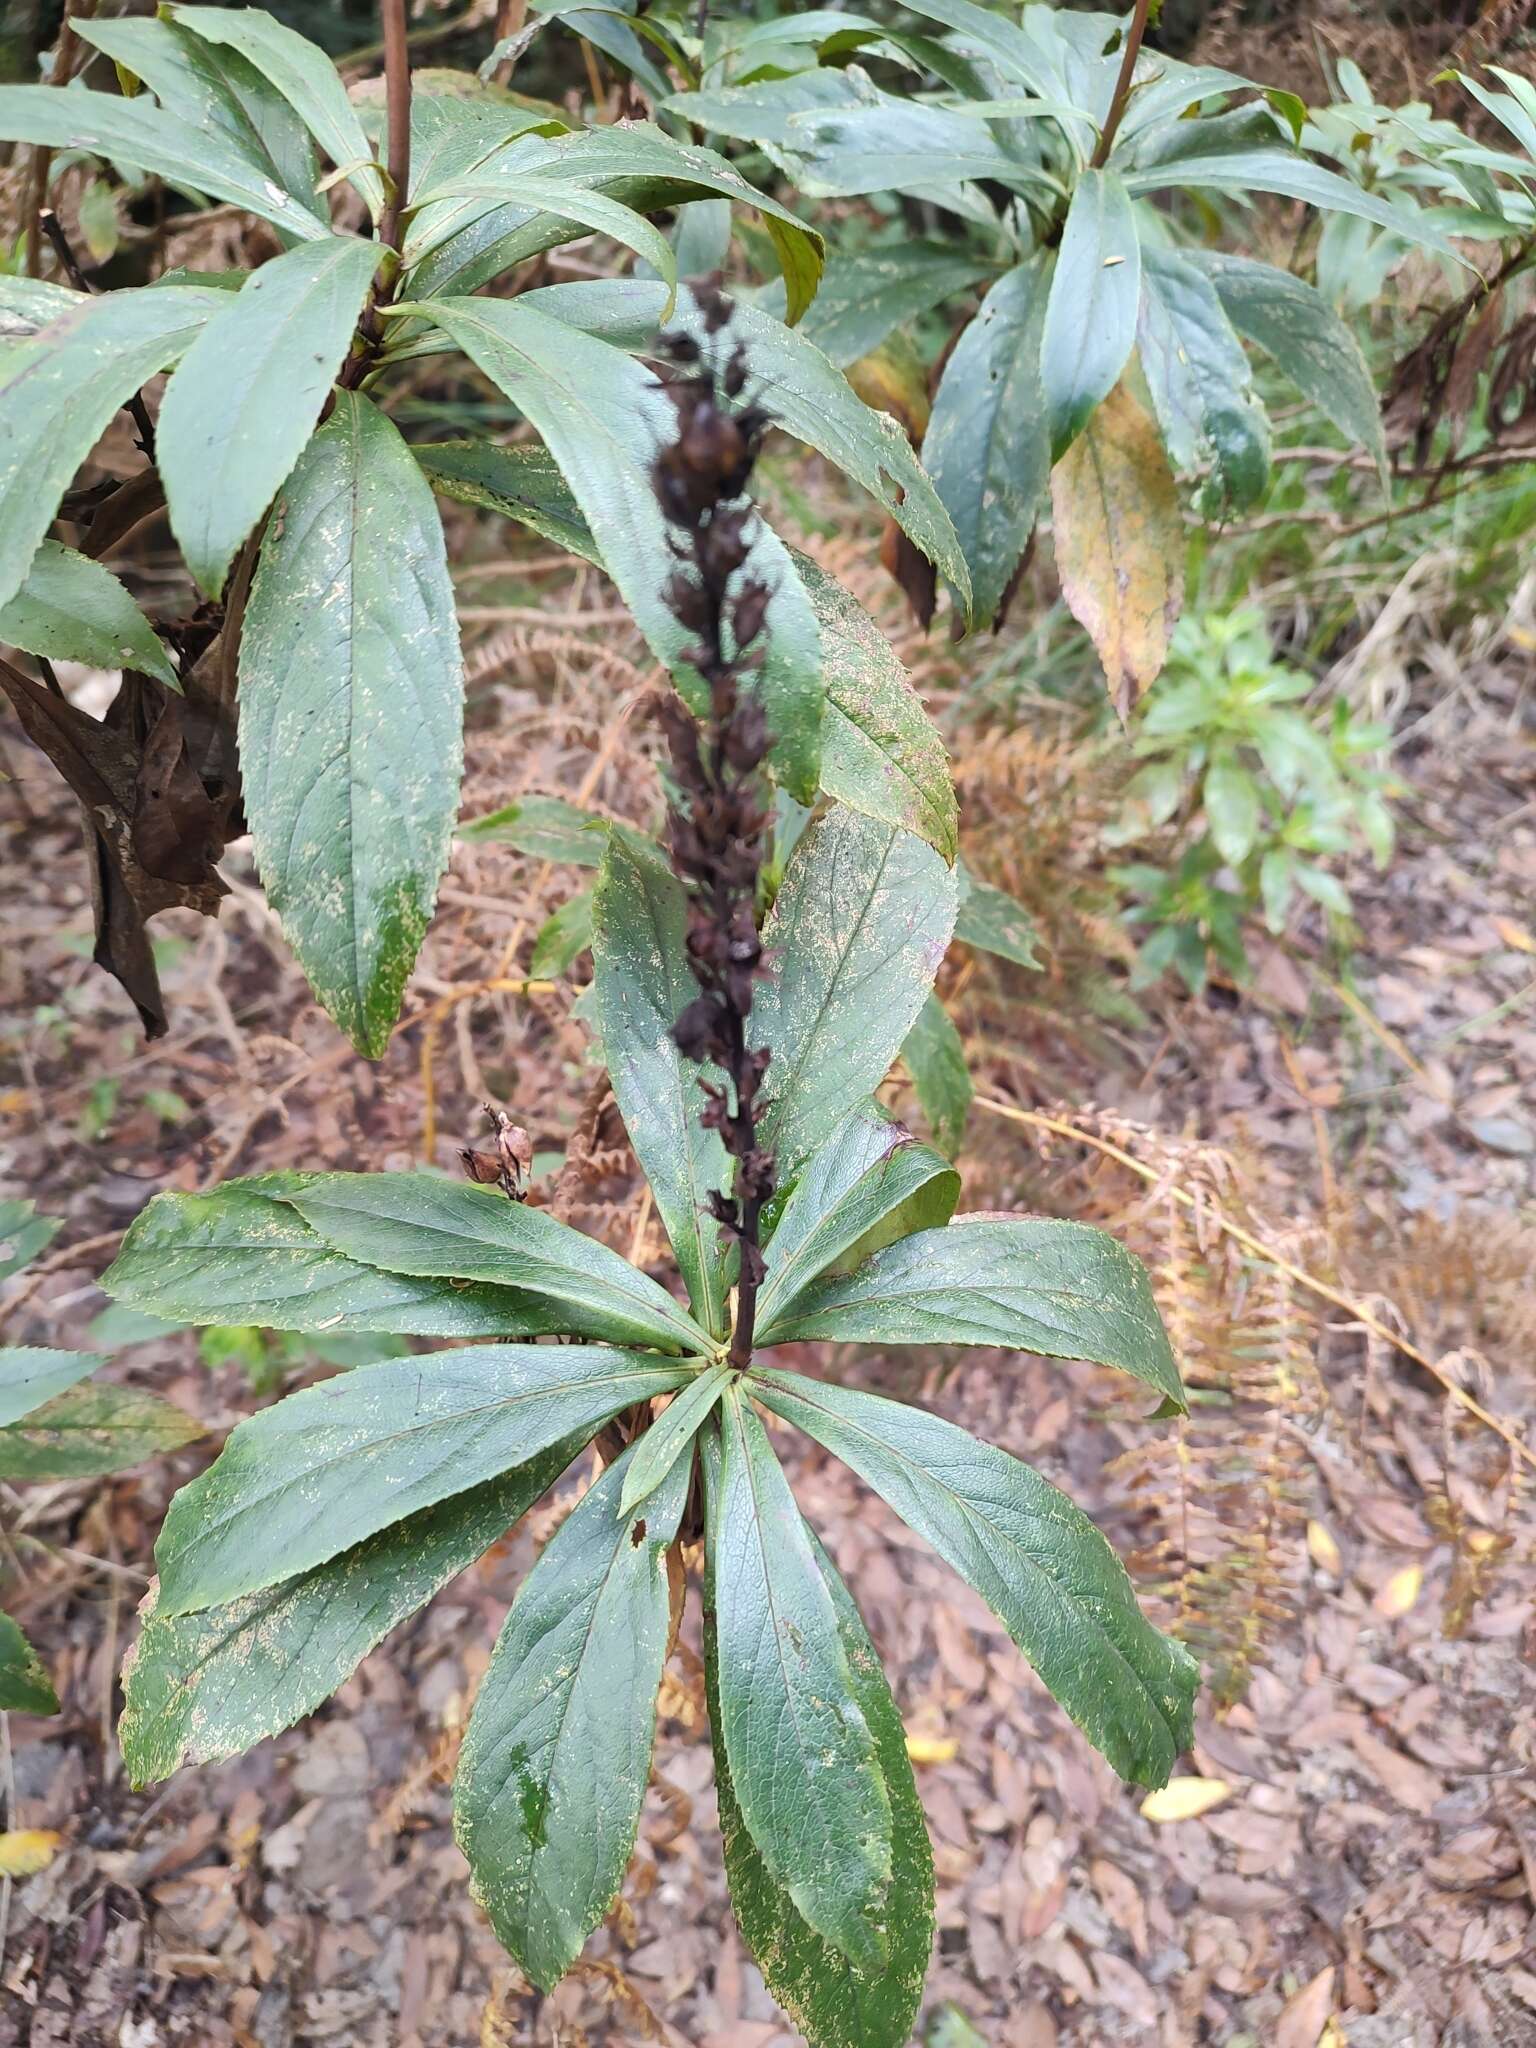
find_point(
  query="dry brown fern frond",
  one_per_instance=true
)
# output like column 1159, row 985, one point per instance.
column 1464, row 1279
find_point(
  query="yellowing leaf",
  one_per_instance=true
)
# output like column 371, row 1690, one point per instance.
column 1323, row 1550
column 932, row 1749
column 891, row 378
column 1333, row 2036
column 1120, row 543
column 1400, row 1592
column 25, row 1851
column 1185, row 1799
column 1514, row 935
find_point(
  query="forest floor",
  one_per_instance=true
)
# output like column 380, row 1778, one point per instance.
column 1354, row 1555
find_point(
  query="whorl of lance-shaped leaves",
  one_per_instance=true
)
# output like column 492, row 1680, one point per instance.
column 718, row 821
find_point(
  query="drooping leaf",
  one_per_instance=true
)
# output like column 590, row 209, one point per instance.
column 92, row 1427
column 859, row 927
column 57, row 398
column 351, row 710
column 594, row 210
column 1292, row 321
column 642, row 983
column 31, row 1375
column 605, row 420
column 802, row 1760
column 869, row 1183
column 244, row 399
column 671, row 1434
column 1024, row 1283
column 548, row 827
column 522, row 483
column 25, row 1687
column 201, row 1687
column 833, row 2006
column 1120, row 543
column 241, row 1254
column 415, row 1223
column 1090, row 319
column 1032, row 1555
column 71, row 608
column 23, row 1234
column 990, row 920
column 327, row 1467
column 305, row 77
column 988, row 445
column 193, row 158
column 214, row 89
column 557, row 1754
column 934, row 1055
column 881, row 754
column 1201, row 385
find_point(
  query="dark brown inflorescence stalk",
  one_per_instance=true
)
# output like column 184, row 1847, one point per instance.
column 718, row 817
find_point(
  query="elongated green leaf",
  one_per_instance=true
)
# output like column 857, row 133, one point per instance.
column 833, row 2006
column 1032, row 1555
column 417, row 1224
column 25, row 1687
column 351, row 711
column 1295, row 177
column 56, row 400
column 1090, row 319
column 934, row 1055
column 72, row 609
column 29, row 304
column 1292, row 321
column 880, row 752
column 866, row 295
column 92, row 1427
column 892, row 146
column 868, row 1184
column 557, row 1754
column 31, row 1375
column 305, row 77
column 637, row 163
column 332, row 1465
column 802, row 1759
column 988, row 446
column 663, row 1444
column 215, row 91
column 201, row 1687
column 548, row 827
column 604, row 419
column 242, row 1255
column 990, row 920
column 1201, row 385
column 136, row 131
column 642, row 984
column 1027, row 1283
column 762, row 111
column 244, row 399
column 604, row 216
column 858, row 930
column 522, row 483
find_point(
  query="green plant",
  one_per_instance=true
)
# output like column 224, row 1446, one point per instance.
column 1053, row 137
column 743, row 1053
column 1268, row 786
column 54, row 1426
column 328, row 628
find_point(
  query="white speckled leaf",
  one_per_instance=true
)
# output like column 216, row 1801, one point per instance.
column 325, row 1468
column 73, row 609
column 201, row 1687
column 557, row 1754
column 857, row 931
column 245, row 397
column 351, row 714
column 59, row 390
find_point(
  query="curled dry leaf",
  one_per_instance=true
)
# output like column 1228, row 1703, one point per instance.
column 1120, row 543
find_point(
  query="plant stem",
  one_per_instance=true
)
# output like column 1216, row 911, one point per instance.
column 1134, row 36
column 397, row 101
